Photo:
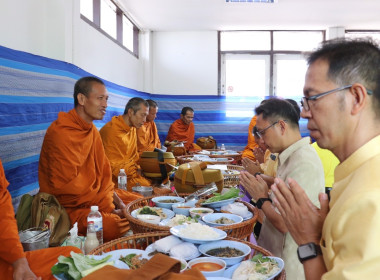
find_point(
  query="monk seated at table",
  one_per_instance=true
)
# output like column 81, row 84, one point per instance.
column 74, row 167
column 14, row 262
column 120, row 142
column 183, row 130
column 147, row 135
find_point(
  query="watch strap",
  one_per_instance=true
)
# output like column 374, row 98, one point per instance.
column 260, row 202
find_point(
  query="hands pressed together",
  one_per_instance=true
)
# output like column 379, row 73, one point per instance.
column 251, row 166
column 303, row 219
column 254, row 185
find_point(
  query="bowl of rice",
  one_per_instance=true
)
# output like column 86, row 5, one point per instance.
column 198, row 233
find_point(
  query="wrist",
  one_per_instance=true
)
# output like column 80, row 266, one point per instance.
column 308, row 251
column 261, row 201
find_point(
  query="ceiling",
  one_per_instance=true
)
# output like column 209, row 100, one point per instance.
column 191, row 15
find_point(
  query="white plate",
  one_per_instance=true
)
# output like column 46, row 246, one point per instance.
column 218, row 204
column 229, row 271
column 169, row 213
column 175, row 231
column 249, row 216
column 149, row 249
column 117, row 264
column 124, row 252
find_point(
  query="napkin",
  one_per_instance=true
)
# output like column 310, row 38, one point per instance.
column 165, row 244
column 237, row 208
column 160, row 267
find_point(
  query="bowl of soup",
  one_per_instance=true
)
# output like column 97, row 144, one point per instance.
column 182, row 208
column 209, row 266
column 200, row 211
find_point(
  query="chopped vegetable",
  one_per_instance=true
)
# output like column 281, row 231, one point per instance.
column 147, row 210
column 232, row 193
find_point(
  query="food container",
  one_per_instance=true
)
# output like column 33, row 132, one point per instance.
column 182, row 208
column 200, row 211
column 144, row 191
column 34, row 238
column 152, row 219
column 209, row 262
column 158, row 200
column 245, row 249
column 210, row 219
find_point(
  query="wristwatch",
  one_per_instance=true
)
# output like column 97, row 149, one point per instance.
column 308, row 251
column 260, row 202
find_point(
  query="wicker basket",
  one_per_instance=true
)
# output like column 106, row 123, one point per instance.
column 143, row 240
column 231, row 180
column 241, row 231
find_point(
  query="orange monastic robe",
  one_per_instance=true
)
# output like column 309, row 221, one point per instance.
column 183, row 132
column 74, row 168
column 120, row 145
column 147, row 138
column 251, row 141
column 40, row 261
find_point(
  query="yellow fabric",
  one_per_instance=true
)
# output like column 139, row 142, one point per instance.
column 147, row 138
column 350, row 237
column 329, row 162
column 251, row 143
column 269, row 167
column 120, row 145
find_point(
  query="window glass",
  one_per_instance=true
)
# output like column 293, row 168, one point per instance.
column 87, row 9
column 362, row 34
column 289, row 75
column 246, row 75
column 127, row 33
column 296, row 40
column 108, row 17
column 244, row 40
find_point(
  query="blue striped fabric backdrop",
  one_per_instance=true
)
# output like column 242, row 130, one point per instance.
column 33, row 89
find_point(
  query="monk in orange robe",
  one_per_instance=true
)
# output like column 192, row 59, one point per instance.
column 251, row 144
column 147, row 135
column 74, row 167
column 14, row 262
column 120, row 142
column 183, row 130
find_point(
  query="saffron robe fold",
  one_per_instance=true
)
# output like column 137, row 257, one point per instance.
column 74, row 168
column 120, row 145
column 147, row 138
column 183, row 132
column 40, row 261
column 251, row 143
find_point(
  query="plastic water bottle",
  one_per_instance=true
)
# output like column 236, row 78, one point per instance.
column 122, row 180
column 223, row 148
column 91, row 241
column 97, row 219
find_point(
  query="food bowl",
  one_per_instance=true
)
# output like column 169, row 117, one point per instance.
column 160, row 201
column 200, row 211
column 210, row 267
column 144, row 191
column 210, row 219
column 182, row 208
column 34, row 238
column 152, row 219
column 234, row 245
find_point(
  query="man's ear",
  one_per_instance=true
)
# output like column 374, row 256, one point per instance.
column 282, row 125
column 81, row 98
column 359, row 98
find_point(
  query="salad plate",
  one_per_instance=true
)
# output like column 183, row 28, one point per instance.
column 230, row 271
column 177, row 229
column 169, row 213
column 124, row 252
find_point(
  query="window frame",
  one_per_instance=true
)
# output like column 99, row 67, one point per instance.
column 119, row 27
column 271, row 53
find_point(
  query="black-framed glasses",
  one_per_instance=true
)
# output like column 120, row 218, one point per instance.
column 261, row 133
column 305, row 100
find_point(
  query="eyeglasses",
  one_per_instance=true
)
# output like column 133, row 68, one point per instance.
column 261, row 133
column 305, row 100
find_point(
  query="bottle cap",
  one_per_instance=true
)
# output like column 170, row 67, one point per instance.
column 122, row 170
column 94, row 208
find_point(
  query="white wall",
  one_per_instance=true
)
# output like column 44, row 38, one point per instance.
column 53, row 29
column 185, row 63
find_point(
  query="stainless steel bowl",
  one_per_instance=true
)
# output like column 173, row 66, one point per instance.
column 144, row 191
column 34, row 238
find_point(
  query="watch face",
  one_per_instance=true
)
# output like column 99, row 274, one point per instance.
column 306, row 251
